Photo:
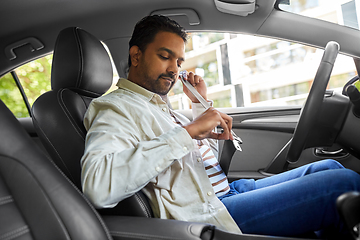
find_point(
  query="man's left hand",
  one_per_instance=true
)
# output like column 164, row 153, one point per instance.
column 198, row 83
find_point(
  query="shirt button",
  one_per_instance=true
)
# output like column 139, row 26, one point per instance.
column 185, row 149
column 158, row 169
column 198, row 159
column 209, row 193
column 211, row 208
column 164, row 109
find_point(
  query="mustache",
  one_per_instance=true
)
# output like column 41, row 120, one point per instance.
column 172, row 76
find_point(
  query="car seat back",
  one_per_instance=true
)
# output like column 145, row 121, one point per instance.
column 36, row 200
column 81, row 71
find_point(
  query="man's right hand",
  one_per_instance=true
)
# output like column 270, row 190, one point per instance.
column 203, row 126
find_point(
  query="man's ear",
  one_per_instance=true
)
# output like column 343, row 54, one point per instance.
column 135, row 54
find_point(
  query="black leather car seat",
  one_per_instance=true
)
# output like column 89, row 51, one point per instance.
column 36, row 200
column 81, row 71
column 348, row 205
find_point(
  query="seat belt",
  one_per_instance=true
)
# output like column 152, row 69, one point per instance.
column 237, row 140
column 227, row 153
column 230, row 146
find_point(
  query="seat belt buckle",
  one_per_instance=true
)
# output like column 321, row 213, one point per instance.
column 237, row 140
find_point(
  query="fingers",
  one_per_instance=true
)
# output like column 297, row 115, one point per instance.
column 222, row 119
column 203, row 126
column 226, row 124
column 198, row 83
column 194, row 79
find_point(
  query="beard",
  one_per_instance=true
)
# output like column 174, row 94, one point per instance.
column 159, row 85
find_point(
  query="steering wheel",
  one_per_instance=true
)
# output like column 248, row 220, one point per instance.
column 311, row 109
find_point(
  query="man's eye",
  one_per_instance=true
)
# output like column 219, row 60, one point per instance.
column 163, row 57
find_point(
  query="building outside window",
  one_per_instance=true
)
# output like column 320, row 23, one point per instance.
column 243, row 70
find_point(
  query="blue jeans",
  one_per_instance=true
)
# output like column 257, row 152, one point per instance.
column 294, row 202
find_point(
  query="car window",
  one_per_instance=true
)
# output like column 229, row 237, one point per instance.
column 343, row 12
column 34, row 79
column 11, row 96
column 244, row 70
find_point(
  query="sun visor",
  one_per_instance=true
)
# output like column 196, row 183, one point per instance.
column 192, row 18
column 236, row 7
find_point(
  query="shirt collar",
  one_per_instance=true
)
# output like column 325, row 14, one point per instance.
column 133, row 87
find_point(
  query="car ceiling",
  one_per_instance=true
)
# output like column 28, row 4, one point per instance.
column 112, row 21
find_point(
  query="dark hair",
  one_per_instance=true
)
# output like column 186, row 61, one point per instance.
column 146, row 29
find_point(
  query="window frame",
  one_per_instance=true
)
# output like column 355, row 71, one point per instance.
column 22, row 92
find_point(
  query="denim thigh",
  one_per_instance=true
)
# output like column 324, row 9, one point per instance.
column 291, row 203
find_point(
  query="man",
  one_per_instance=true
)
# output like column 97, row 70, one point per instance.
column 136, row 142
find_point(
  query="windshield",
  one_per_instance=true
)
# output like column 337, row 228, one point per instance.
column 343, row 12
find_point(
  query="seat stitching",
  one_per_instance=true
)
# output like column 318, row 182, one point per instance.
column 142, row 236
column 53, row 147
column 5, row 200
column 143, row 205
column 67, row 114
column 81, row 56
column 86, row 200
column 15, row 233
column 46, row 197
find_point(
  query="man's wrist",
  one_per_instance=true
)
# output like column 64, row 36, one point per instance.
column 189, row 129
column 198, row 109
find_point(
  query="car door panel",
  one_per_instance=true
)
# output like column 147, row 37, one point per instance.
column 265, row 132
column 258, row 149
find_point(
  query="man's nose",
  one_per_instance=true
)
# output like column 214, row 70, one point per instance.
column 173, row 68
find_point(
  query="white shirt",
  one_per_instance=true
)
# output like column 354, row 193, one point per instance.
column 133, row 144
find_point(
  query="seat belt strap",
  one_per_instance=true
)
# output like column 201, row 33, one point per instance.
column 227, row 153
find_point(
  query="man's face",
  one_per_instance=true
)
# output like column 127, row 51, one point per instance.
column 160, row 62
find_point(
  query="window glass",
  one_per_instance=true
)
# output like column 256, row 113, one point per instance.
column 11, row 96
column 115, row 73
column 243, row 70
column 299, row 6
column 35, row 80
column 343, row 12
column 35, row 77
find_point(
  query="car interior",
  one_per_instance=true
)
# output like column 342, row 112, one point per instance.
column 40, row 172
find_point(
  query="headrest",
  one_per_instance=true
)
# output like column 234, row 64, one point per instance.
column 80, row 62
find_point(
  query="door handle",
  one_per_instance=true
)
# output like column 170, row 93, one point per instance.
column 34, row 43
column 322, row 152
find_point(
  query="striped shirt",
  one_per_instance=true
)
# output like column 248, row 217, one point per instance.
column 213, row 169
column 216, row 175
